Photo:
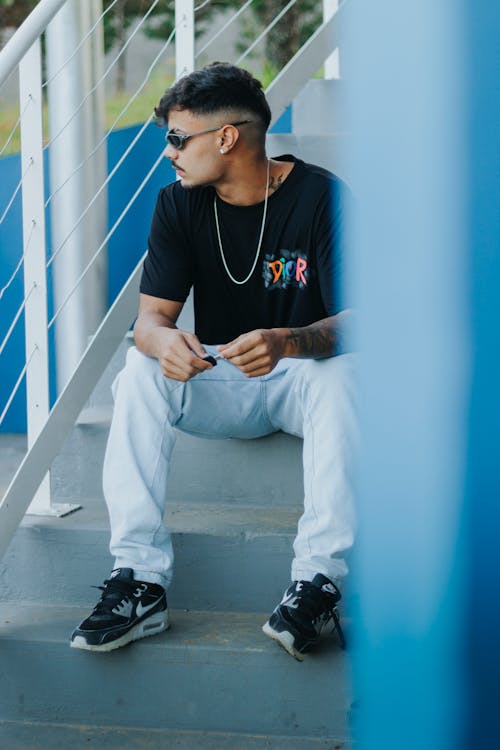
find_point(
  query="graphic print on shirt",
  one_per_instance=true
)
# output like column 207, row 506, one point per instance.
column 289, row 268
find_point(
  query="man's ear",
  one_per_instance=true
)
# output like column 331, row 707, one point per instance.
column 229, row 138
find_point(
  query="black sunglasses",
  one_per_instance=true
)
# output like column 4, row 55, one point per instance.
column 178, row 140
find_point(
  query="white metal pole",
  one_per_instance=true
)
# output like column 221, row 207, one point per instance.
column 184, row 37
column 66, row 153
column 332, row 64
column 35, row 286
column 95, row 170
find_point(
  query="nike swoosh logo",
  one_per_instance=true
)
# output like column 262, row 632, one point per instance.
column 141, row 610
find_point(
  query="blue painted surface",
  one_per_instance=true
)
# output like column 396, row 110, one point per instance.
column 12, row 358
column 482, row 519
column 409, row 271
column 124, row 249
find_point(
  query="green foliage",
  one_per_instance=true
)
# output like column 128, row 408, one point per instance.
column 121, row 17
column 13, row 12
column 289, row 34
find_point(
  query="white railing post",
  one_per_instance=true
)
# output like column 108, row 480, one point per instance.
column 184, row 37
column 332, row 63
column 35, row 284
column 95, row 169
column 68, row 184
column 35, row 287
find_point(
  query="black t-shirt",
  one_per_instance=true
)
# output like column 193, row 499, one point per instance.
column 297, row 277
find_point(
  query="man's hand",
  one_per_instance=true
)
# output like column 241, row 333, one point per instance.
column 179, row 354
column 257, row 352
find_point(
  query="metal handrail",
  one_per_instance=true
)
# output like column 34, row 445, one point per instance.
column 26, row 35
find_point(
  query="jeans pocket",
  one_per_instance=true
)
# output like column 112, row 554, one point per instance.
column 221, row 409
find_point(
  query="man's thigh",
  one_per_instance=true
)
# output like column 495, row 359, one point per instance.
column 297, row 383
column 224, row 403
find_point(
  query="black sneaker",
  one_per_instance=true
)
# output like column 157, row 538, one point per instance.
column 307, row 610
column 126, row 611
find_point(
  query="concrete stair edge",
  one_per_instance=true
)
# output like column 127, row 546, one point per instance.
column 22, row 735
column 214, row 670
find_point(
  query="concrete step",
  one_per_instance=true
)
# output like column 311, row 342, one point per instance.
column 234, row 471
column 24, row 735
column 227, row 557
column 320, row 108
column 211, row 671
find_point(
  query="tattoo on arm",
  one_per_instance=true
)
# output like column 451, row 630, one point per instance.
column 321, row 339
column 275, row 182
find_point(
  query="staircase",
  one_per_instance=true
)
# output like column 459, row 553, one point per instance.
column 213, row 680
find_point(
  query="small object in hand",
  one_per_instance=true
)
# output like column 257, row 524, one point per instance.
column 210, row 359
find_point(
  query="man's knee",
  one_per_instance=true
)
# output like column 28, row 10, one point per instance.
column 329, row 374
column 139, row 370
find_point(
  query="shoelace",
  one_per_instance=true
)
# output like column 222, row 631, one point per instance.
column 313, row 600
column 114, row 591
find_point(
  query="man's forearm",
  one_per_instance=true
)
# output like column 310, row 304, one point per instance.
column 148, row 330
column 325, row 338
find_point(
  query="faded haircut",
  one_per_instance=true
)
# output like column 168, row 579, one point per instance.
column 219, row 87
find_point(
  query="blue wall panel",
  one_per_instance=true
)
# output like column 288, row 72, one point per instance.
column 12, row 358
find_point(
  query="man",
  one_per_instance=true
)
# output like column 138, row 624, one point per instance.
column 259, row 240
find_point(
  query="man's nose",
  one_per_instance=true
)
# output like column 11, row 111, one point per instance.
column 170, row 152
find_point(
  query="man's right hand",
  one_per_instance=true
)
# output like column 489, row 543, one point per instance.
column 179, row 353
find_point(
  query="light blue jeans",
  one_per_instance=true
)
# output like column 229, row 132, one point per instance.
column 313, row 399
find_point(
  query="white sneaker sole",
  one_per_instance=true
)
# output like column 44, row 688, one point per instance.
column 157, row 623
column 285, row 640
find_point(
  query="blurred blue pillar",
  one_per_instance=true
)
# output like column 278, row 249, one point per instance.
column 405, row 65
column 483, row 466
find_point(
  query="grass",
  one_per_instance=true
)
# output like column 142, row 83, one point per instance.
column 138, row 111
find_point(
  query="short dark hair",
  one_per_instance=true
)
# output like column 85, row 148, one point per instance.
column 217, row 87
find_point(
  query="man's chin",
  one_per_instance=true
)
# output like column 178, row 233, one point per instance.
column 188, row 183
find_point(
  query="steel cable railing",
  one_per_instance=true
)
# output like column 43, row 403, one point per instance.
column 105, row 241
column 16, row 126
column 15, row 319
column 266, row 31
column 224, row 27
column 115, row 122
column 17, row 385
column 80, row 44
column 16, row 191
column 20, row 263
column 104, row 75
column 124, row 110
column 100, row 190
column 13, row 276
column 201, row 5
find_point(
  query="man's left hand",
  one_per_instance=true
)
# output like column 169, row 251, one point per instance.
column 257, row 352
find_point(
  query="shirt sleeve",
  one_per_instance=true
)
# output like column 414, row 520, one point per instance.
column 330, row 251
column 167, row 269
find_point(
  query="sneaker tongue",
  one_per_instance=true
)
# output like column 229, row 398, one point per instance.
column 124, row 574
column 323, row 583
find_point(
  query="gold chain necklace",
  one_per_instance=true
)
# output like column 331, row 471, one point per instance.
column 244, row 281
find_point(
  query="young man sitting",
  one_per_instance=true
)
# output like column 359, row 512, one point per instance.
column 259, row 240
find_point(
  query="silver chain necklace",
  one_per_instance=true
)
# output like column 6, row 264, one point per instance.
column 244, row 281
